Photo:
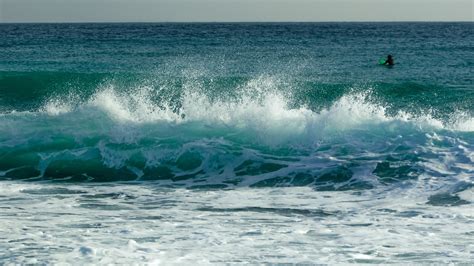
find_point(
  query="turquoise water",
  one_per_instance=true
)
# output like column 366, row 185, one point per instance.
column 239, row 111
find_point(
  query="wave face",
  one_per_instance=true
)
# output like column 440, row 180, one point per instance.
column 218, row 110
column 254, row 132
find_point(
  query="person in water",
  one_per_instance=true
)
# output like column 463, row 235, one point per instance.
column 389, row 61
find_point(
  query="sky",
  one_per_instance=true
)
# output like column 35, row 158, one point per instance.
column 233, row 10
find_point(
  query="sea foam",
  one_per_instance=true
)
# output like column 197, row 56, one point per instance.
column 259, row 106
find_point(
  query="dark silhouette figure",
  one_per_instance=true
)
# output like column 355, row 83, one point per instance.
column 389, row 61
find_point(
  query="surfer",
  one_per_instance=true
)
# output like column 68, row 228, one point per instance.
column 389, row 61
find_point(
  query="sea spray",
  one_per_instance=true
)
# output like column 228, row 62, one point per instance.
column 126, row 135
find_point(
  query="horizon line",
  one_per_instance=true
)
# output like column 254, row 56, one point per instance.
column 235, row 22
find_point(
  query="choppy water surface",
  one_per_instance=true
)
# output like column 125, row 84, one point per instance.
column 227, row 143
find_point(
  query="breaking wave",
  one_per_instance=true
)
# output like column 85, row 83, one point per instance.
column 255, row 135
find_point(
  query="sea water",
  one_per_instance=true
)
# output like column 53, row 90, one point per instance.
column 236, row 143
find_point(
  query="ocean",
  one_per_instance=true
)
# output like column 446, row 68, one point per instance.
column 230, row 143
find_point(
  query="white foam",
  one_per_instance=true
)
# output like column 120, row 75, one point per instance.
column 136, row 107
column 259, row 106
column 462, row 122
column 270, row 226
column 57, row 106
